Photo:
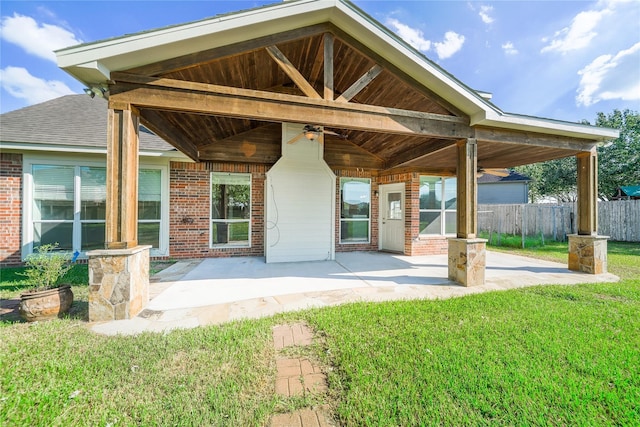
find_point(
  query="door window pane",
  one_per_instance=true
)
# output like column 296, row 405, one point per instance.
column 394, row 205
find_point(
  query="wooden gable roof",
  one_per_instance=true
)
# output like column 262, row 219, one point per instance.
column 222, row 96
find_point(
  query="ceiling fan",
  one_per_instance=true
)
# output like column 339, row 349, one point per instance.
column 492, row 171
column 312, row 133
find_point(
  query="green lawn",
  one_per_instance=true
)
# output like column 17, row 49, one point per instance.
column 549, row 355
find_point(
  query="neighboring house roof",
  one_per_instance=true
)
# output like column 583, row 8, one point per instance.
column 93, row 63
column 631, row 190
column 512, row 177
column 69, row 121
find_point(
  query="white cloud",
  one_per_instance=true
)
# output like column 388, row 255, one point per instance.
column 18, row 82
column 413, row 36
column 578, row 35
column 36, row 39
column 452, row 43
column 509, row 48
column 484, row 14
column 611, row 77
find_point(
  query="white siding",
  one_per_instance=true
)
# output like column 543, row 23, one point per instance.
column 503, row 192
column 300, row 203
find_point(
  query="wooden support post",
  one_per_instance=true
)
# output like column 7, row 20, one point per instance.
column 467, row 201
column 467, row 253
column 587, row 250
column 122, row 178
column 588, row 193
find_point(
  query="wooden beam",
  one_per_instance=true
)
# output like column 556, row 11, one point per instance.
column 328, row 66
column 588, row 193
column 407, row 157
column 467, row 189
column 158, row 125
column 202, row 98
column 199, row 58
column 260, row 145
column 121, row 217
column 393, row 69
column 291, row 71
column 507, row 136
column 360, row 84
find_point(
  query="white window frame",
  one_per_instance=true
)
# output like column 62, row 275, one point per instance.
column 443, row 211
column 78, row 162
column 368, row 219
column 213, row 245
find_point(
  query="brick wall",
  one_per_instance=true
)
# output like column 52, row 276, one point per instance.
column 10, row 208
column 189, row 210
column 190, row 222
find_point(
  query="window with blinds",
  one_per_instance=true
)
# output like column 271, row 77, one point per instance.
column 69, row 206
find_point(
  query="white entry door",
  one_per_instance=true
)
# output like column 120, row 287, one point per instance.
column 392, row 217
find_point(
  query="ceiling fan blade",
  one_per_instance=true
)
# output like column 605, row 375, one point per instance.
column 330, row 132
column 295, row 138
column 496, row 172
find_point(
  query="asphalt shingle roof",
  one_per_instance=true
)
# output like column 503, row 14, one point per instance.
column 512, row 177
column 75, row 120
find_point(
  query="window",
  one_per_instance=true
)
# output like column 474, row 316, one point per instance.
column 69, row 206
column 437, row 205
column 355, row 210
column 230, row 209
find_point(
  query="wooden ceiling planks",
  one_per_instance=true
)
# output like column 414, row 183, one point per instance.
column 248, row 65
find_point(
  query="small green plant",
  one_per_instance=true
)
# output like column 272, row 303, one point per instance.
column 46, row 267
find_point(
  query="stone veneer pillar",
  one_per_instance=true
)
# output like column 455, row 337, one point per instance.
column 588, row 254
column 467, row 261
column 118, row 283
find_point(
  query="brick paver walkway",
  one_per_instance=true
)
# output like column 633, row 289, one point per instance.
column 297, row 376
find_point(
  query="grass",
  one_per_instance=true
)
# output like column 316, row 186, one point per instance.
column 547, row 355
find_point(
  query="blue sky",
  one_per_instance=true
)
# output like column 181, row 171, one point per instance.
column 565, row 60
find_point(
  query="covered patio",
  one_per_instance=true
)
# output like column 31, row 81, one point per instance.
column 275, row 93
column 211, row 291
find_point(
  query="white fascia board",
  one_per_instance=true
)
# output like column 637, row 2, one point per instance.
column 547, row 126
column 148, row 47
column 55, row 148
column 406, row 58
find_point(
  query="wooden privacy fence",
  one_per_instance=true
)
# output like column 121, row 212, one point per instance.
column 618, row 219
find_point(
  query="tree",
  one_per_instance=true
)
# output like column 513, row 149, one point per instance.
column 554, row 178
column 618, row 163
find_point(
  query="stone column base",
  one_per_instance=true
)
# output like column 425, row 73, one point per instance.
column 118, row 283
column 467, row 261
column 588, row 254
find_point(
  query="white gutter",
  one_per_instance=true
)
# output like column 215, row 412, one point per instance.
column 22, row 146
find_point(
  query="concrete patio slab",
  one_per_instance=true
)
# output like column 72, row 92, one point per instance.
column 217, row 290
